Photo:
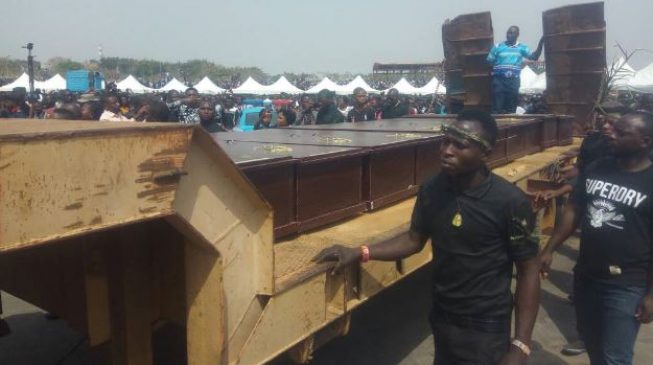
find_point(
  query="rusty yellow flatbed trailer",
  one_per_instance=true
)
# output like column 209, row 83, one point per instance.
column 119, row 227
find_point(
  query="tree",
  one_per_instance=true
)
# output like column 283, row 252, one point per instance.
column 61, row 65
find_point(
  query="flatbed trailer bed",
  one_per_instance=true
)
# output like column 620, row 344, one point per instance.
column 118, row 228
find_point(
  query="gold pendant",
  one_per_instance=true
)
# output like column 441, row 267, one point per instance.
column 457, row 220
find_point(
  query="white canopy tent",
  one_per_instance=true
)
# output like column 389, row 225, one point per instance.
column 624, row 74
column 251, row 86
column 404, row 87
column 130, row 83
column 283, row 86
column 433, row 86
column 206, row 86
column 537, row 86
column 174, row 84
column 540, row 83
column 526, row 78
column 326, row 83
column 21, row 81
column 56, row 82
column 358, row 81
column 642, row 81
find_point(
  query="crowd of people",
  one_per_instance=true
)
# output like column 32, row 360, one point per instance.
column 216, row 112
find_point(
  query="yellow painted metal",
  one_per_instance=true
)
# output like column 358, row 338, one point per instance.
column 116, row 226
column 60, row 179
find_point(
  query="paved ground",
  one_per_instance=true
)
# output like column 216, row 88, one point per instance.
column 391, row 329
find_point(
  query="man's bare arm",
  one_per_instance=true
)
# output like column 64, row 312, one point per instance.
column 568, row 224
column 389, row 250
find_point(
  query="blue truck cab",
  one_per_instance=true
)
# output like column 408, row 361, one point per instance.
column 249, row 118
column 84, row 80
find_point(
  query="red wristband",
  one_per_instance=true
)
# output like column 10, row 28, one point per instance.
column 365, row 253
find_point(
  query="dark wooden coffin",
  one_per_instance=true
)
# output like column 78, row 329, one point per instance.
column 499, row 154
column 390, row 166
column 565, row 129
column 402, row 125
column 523, row 136
column 432, row 123
column 427, row 154
column 273, row 174
column 548, row 126
column 519, row 135
column 307, row 186
column 549, row 130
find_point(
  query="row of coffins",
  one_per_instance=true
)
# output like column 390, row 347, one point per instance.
column 319, row 174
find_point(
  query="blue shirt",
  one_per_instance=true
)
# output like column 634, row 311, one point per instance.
column 508, row 60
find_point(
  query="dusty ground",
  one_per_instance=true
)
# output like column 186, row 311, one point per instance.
column 391, row 329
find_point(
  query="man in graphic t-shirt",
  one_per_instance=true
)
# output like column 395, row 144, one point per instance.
column 614, row 275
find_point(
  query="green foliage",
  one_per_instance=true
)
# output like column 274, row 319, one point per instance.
column 12, row 68
column 60, row 66
column 193, row 70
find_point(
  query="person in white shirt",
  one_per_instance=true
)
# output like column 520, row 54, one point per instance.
column 112, row 110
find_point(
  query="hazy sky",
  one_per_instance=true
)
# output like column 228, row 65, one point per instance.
column 283, row 35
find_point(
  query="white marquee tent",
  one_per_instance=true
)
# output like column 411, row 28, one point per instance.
column 537, row 86
column 624, row 74
column 56, row 82
column 206, row 86
column 174, row 84
column 643, row 80
column 130, row 83
column 358, row 81
column 326, row 83
column 251, row 86
column 283, row 86
column 526, row 78
column 21, row 81
column 404, row 87
column 433, row 86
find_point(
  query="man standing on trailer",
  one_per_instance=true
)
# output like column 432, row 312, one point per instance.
column 507, row 60
column 479, row 225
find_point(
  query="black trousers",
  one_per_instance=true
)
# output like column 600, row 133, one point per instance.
column 505, row 92
column 462, row 345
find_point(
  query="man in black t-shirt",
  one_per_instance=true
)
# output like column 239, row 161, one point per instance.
column 479, row 226
column 361, row 112
column 613, row 289
column 393, row 106
column 328, row 112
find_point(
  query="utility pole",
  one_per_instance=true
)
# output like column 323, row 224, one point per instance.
column 30, row 65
